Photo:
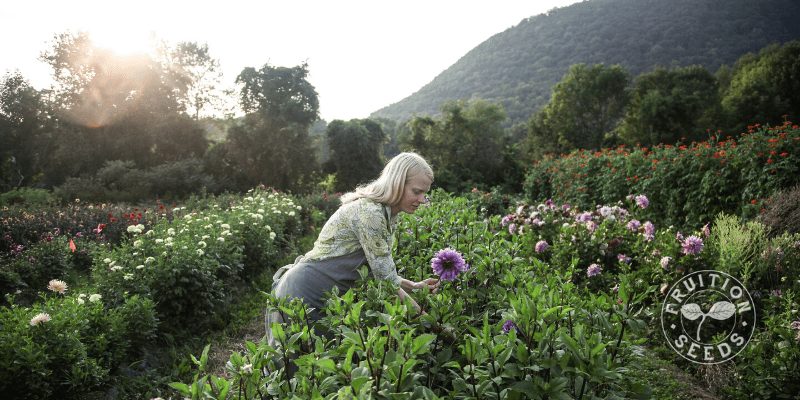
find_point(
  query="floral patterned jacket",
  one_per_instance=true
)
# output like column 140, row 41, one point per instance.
column 359, row 225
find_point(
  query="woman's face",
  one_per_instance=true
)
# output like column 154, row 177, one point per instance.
column 413, row 194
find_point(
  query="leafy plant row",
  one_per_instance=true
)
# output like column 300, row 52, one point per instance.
column 558, row 302
column 166, row 276
column 690, row 183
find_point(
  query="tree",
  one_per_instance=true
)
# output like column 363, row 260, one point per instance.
column 96, row 87
column 356, row 149
column 391, row 129
column 23, row 127
column 764, row 87
column 111, row 107
column 667, row 105
column 465, row 146
column 271, row 145
column 585, row 106
column 280, row 94
column 197, row 74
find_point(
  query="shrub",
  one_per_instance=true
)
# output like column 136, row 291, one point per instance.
column 83, row 222
column 689, row 183
column 782, row 212
column 739, row 245
column 29, row 272
column 190, row 265
column 74, row 349
column 121, row 181
column 84, row 188
column 28, row 197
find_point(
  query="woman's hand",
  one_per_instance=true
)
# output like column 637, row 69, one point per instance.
column 431, row 283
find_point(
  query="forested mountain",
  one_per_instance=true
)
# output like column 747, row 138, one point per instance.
column 519, row 66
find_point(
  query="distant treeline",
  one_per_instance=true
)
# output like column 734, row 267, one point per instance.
column 519, row 66
column 130, row 128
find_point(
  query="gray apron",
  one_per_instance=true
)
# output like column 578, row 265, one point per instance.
column 311, row 280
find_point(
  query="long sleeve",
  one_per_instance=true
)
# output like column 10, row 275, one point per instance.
column 372, row 231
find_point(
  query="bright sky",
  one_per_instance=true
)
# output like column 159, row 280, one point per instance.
column 362, row 54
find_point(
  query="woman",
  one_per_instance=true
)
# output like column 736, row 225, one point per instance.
column 358, row 233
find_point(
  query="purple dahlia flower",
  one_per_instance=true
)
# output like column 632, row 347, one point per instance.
column 649, row 231
column 642, row 201
column 692, row 245
column 594, row 270
column 541, row 246
column 633, row 225
column 509, row 325
column 447, row 264
column 512, row 228
column 584, row 217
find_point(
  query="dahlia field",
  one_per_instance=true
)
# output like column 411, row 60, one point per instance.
column 563, row 292
column 547, row 301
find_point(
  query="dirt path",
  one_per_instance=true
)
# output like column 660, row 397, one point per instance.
column 220, row 352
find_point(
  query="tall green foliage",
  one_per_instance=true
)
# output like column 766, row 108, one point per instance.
column 465, row 145
column 667, row 105
column 112, row 107
column 585, row 106
column 22, row 132
column 764, row 87
column 271, row 145
column 356, row 149
column 198, row 74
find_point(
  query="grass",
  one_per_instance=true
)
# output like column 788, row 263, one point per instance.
column 666, row 380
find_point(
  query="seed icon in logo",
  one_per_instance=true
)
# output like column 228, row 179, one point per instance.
column 713, row 336
column 721, row 310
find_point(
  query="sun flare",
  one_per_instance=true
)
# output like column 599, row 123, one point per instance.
column 124, row 42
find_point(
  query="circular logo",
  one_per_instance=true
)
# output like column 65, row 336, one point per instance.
column 708, row 317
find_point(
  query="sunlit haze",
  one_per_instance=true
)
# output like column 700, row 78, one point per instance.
column 362, row 55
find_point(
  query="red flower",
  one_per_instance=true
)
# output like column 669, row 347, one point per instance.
column 784, row 154
column 99, row 228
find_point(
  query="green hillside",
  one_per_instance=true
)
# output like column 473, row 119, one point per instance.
column 519, row 66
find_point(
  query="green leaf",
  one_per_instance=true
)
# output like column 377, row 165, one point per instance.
column 421, row 343
column 204, row 357
column 326, row 364
column 526, row 387
column 598, row 349
column 181, row 387
column 571, row 344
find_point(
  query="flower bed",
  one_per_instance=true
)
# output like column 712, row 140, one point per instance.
column 689, row 183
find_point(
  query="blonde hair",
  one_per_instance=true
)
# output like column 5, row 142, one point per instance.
column 388, row 188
